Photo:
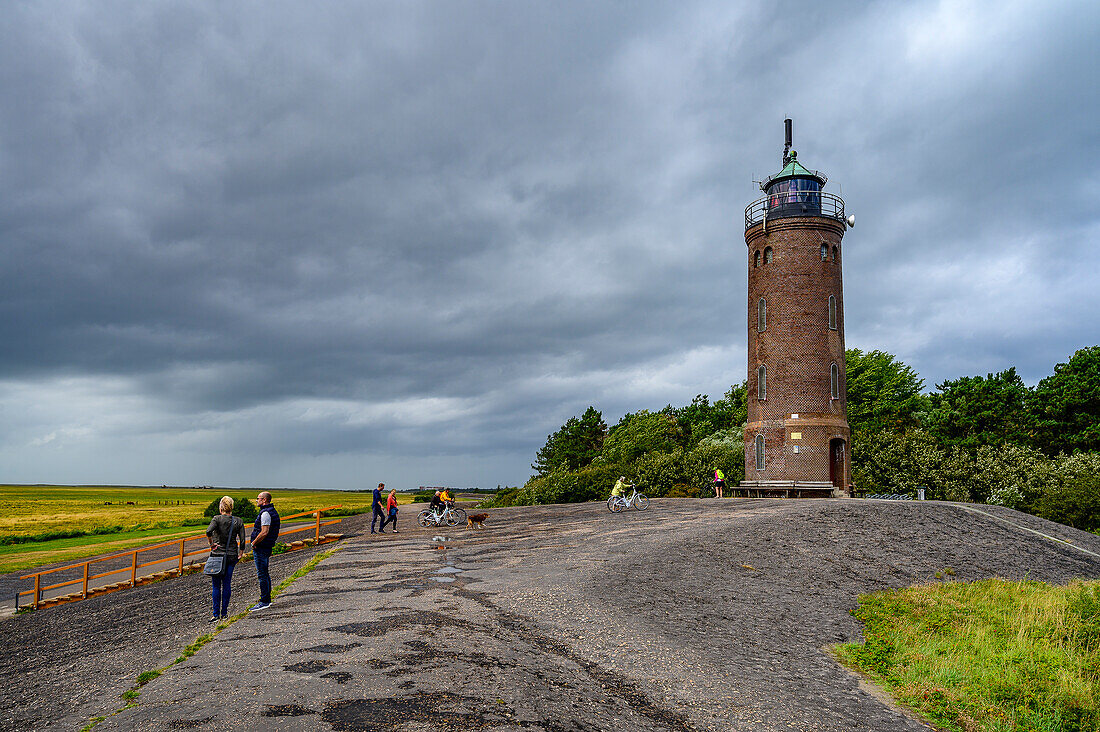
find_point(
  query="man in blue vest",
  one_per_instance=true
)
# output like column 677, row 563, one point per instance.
column 264, row 533
column 377, row 511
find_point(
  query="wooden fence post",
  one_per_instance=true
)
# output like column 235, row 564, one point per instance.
column 133, row 571
column 37, row 590
column 182, row 542
column 317, row 531
column 85, row 580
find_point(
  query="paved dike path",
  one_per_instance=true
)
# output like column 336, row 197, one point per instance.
column 693, row 615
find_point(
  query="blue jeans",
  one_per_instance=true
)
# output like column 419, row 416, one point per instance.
column 376, row 513
column 221, row 591
column 262, row 563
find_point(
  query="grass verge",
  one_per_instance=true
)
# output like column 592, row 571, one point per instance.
column 17, row 557
column 988, row 656
column 131, row 695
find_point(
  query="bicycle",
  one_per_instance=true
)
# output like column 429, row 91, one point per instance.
column 449, row 516
column 640, row 501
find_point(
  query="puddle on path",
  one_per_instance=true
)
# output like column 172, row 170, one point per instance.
column 444, row 579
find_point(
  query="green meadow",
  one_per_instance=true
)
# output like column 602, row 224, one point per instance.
column 988, row 656
column 40, row 524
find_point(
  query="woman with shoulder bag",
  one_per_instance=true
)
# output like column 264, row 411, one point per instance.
column 226, row 536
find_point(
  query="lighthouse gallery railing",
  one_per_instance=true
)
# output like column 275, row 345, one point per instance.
column 794, row 203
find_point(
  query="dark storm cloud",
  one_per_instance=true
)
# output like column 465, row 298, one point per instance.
column 236, row 235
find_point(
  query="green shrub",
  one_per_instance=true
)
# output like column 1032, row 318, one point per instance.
column 639, row 433
column 501, row 499
column 545, row 489
column 683, row 490
column 658, row 473
column 1008, row 475
column 242, row 508
column 699, row 464
column 1072, row 496
column 592, row 483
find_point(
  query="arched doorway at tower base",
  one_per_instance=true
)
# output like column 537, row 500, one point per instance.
column 836, row 462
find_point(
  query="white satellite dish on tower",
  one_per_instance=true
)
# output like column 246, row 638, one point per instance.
column 852, row 221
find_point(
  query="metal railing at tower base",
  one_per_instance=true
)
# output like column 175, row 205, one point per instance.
column 133, row 565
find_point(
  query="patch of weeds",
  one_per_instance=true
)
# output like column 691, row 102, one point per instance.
column 91, row 723
column 146, row 676
column 192, row 649
column 303, row 570
column 131, row 694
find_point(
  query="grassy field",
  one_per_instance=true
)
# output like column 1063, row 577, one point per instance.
column 18, row 557
column 989, row 656
column 32, row 513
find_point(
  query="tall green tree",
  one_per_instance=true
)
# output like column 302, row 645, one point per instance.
column 574, row 446
column 883, row 393
column 640, row 432
column 700, row 419
column 973, row 411
column 1066, row 405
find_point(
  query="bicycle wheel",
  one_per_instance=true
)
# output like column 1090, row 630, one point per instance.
column 450, row 519
column 614, row 505
column 424, row 518
column 641, row 502
column 459, row 514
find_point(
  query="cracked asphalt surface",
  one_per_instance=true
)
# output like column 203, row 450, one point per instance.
column 693, row 615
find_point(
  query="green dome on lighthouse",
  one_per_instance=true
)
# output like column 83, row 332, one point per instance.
column 793, row 169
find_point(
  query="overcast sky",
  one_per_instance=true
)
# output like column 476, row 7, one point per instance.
column 328, row 244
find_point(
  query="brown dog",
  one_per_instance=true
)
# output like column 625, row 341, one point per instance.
column 477, row 520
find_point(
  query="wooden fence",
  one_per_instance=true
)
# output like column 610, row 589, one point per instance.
column 36, row 593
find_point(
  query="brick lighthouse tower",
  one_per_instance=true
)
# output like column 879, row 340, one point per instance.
column 797, row 437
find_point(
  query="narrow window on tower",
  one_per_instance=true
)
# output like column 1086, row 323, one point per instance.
column 760, row 452
column 834, row 253
column 834, row 381
column 761, row 316
column 832, row 312
column 767, row 255
column 756, row 259
column 762, row 382
column 824, row 252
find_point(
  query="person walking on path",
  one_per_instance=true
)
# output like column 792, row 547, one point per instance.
column 226, row 536
column 264, row 533
column 391, row 510
column 719, row 482
column 376, row 510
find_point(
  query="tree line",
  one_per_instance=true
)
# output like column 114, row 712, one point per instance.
column 985, row 439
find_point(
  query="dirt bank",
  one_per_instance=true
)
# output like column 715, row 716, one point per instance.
column 694, row 615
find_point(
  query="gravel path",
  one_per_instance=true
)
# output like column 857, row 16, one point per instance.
column 67, row 664
column 694, row 615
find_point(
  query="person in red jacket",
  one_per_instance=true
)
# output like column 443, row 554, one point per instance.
column 391, row 510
